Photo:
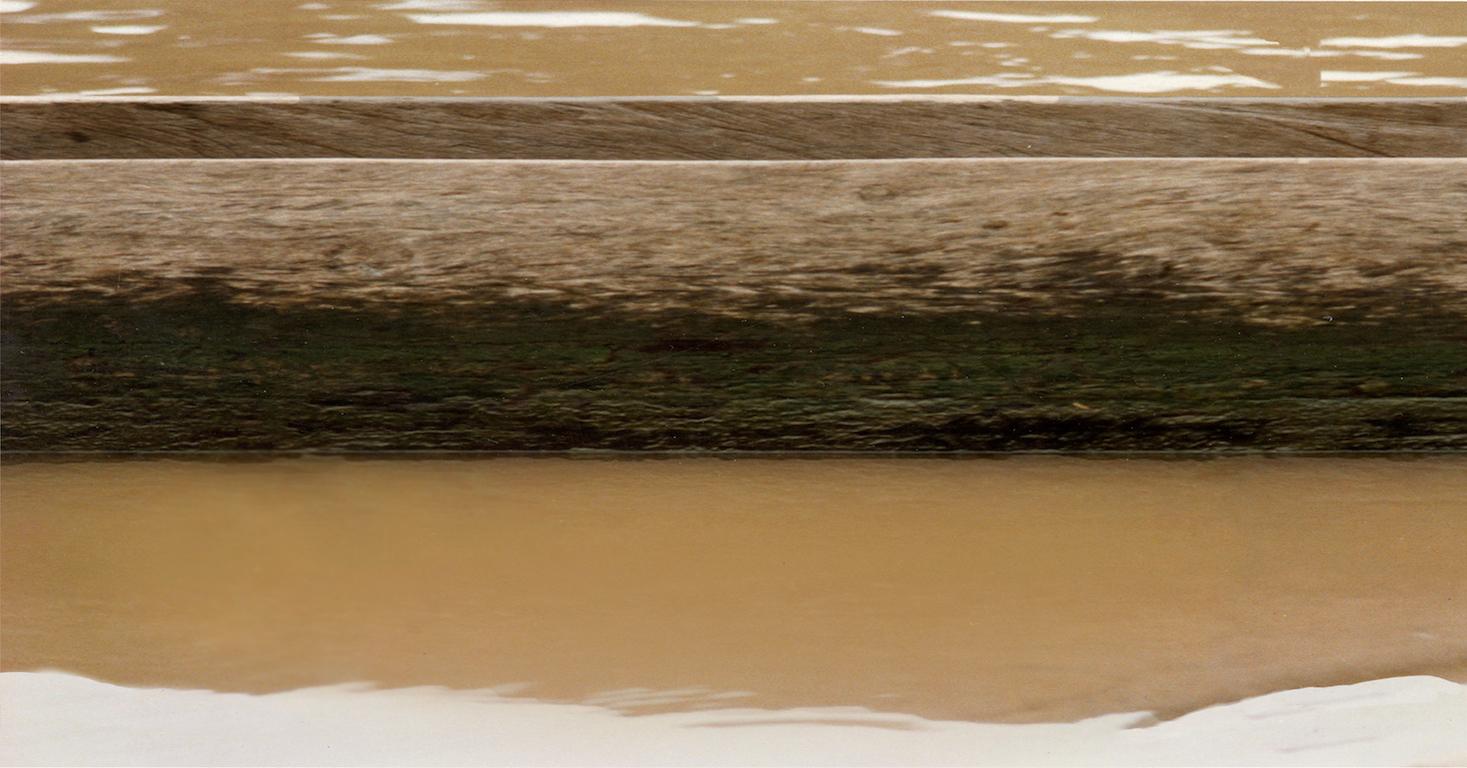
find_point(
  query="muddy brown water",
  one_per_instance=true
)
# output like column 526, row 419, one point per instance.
column 600, row 48
column 1024, row 589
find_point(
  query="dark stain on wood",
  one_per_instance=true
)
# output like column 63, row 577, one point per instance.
column 198, row 371
column 1123, row 305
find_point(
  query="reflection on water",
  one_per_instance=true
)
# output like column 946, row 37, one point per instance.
column 595, row 47
column 992, row 590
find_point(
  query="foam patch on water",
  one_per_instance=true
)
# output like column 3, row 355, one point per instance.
column 1387, row 55
column 1015, row 18
column 47, row 18
column 322, row 55
column 431, row 5
column 1352, row 76
column 56, row 718
column 1431, row 82
column 550, row 19
column 131, row 90
column 376, row 75
column 1140, row 82
column 1395, row 78
column 1206, row 40
column 128, row 29
column 1398, row 41
column 45, row 57
column 327, row 38
column 878, row 31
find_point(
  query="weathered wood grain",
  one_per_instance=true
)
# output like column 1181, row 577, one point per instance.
column 852, row 305
column 1265, row 241
column 786, row 128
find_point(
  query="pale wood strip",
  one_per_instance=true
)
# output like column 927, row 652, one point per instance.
column 1273, row 240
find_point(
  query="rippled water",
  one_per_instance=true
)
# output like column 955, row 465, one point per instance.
column 595, row 47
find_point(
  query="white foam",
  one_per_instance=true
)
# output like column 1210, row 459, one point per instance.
column 550, row 19
column 1208, row 40
column 431, row 5
column 144, row 13
column 1352, row 76
column 323, row 55
column 1397, row 41
column 1140, row 82
column 55, row 718
column 1015, row 18
column 326, row 38
column 15, row 6
column 1431, row 82
column 371, row 75
column 128, row 29
column 45, row 57
column 132, row 90
column 1387, row 55
column 1293, row 53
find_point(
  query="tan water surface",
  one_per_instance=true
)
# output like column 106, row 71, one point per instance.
column 1023, row 589
column 600, row 48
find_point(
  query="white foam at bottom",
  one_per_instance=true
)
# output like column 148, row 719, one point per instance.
column 51, row 718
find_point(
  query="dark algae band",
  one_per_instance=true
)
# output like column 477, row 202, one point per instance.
column 202, row 372
column 919, row 306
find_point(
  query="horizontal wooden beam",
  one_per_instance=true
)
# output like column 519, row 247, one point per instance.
column 770, row 128
column 842, row 305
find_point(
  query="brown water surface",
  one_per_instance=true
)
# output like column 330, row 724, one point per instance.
column 994, row 590
column 672, row 47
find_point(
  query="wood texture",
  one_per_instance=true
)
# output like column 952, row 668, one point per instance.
column 791, row 128
column 855, row 305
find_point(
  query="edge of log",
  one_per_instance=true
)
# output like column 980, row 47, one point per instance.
column 729, row 128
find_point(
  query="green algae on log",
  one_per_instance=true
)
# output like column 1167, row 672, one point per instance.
column 984, row 305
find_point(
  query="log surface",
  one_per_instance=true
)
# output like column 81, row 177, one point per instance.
column 860, row 305
column 774, row 128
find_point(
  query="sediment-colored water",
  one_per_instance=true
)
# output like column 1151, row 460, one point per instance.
column 1029, row 589
column 743, row 47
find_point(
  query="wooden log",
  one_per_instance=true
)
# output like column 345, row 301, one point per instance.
column 932, row 305
column 771, row 128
